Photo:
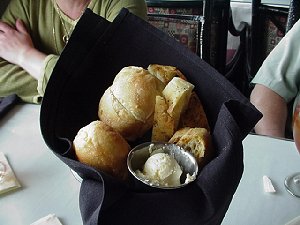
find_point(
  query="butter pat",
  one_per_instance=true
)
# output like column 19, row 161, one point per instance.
column 268, row 186
column 161, row 169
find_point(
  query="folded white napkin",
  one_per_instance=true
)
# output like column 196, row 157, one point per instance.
column 8, row 180
column 51, row 219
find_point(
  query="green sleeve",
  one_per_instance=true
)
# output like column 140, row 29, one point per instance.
column 281, row 69
column 38, row 18
column 13, row 79
column 15, row 9
column 137, row 7
column 49, row 64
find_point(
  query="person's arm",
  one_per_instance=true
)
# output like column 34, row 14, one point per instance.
column 24, row 69
column 17, row 48
column 13, row 78
column 21, row 77
column 274, row 110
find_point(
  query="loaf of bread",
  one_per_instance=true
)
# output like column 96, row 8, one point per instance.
column 101, row 147
column 128, row 104
column 197, row 141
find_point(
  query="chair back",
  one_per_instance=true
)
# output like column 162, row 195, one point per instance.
column 293, row 15
column 203, row 27
column 200, row 25
column 181, row 21
column 237, row 68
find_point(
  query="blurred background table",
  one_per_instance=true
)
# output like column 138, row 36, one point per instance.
column 48, row 186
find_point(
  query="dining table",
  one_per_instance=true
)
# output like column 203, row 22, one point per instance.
column 48, row 186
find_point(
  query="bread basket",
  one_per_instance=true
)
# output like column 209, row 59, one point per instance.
column 95, row 53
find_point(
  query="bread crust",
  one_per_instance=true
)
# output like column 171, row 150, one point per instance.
column 163, row 124
column 196, row 141
column 128, row 105
column 100, row 146
column 165, row 73
column 194, row 115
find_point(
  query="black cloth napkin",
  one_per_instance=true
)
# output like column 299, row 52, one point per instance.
column 96, row 52
column 6, row 103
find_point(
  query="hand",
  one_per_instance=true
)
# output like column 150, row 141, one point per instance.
column 16, row 47
column 15, row 43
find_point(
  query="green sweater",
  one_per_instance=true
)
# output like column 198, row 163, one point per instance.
column 44, row 24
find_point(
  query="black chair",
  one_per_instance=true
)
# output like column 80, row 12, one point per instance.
column 211, row 22
column 182, row 20
column 215, row 33
column 220, row 22
column 210, row 19
column 237, row 69
column 293, row 14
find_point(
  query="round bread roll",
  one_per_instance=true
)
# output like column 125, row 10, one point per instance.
column 101, row 147
column 128, row 105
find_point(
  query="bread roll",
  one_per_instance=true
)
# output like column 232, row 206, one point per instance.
column 197, row 141
column 128, row 105
column 101, row 147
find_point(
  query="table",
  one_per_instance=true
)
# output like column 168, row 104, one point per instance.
column 48, row 186
column 276, row 159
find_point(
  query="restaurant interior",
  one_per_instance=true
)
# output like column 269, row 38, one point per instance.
column 46, row 185
column 233, row 37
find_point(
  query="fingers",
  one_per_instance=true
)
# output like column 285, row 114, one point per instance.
column 20, row 26
column 4, row 27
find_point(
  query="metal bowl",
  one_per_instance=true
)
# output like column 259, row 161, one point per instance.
column 139, row 155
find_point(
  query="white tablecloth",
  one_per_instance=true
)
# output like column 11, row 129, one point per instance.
column 48, row 186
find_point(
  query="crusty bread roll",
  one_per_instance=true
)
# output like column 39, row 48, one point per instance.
column 128, row 105
column 197, row 141
column 101, row 147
